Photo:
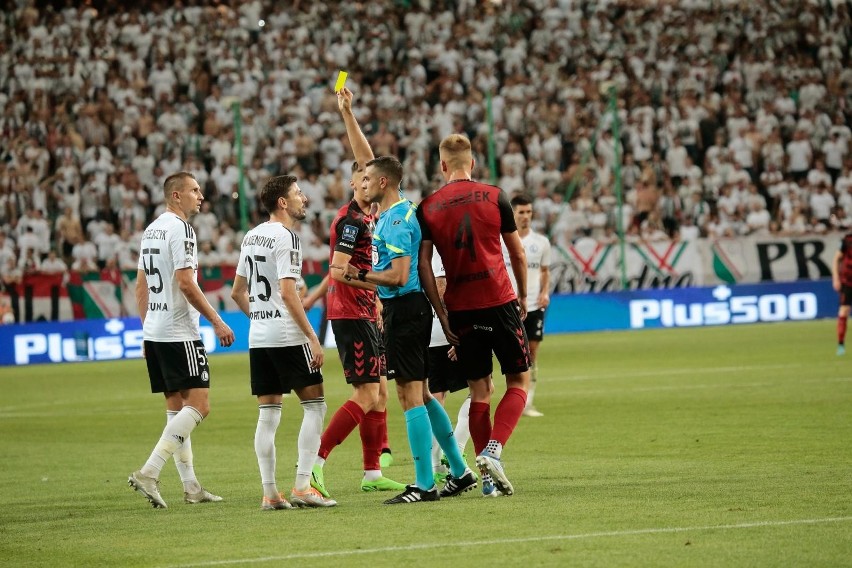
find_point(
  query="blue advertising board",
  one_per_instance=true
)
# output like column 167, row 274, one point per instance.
column 689, row 307
column 100, row 340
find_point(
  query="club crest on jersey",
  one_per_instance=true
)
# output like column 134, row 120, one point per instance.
column 350, row 233
column 294, row 258
column 205, row 376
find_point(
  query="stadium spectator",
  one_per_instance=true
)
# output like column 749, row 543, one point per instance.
column 131, row 100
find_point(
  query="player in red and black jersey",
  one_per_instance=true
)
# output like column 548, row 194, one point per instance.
column 351, row 309
column 466, row 220
column 841, row 279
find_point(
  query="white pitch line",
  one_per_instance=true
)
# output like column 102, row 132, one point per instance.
column 580, row 536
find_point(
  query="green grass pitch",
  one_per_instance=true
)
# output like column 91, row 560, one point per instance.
column 727, row 446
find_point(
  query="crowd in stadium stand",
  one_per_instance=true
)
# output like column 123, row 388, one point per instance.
column 733, row 116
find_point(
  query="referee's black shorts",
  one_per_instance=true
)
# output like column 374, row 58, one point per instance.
column 407, row 331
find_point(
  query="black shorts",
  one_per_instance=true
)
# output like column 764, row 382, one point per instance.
column 359, row 348
column 278, row 370
column 845, row 295
column 177, row 365
column 444, row 373
column 498, row 329
column 534, row 325
column 407, row 330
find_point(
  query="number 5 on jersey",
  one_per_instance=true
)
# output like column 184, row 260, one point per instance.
column 261, row 279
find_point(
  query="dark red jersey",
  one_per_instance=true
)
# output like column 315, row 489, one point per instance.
column 846, row 263
column 350, row 233
column 464, row 219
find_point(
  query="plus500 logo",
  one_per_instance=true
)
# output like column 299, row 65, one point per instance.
column 737, row 309
column 33, row 347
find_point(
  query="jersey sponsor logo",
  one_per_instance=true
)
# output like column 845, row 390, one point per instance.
column 350, row 233
column 158, row 307
column 727, row 309
column 396, row 222
column 265, row 314
column 295, row 258
column 473, row 276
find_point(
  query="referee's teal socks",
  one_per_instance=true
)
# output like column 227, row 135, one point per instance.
column 420, row 439
column 442, row 428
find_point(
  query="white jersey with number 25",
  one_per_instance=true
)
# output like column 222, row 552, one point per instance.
column 269, row 253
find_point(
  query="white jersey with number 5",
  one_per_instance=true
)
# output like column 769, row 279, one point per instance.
column 168, row 245
column 269, row 253
column 537, row 248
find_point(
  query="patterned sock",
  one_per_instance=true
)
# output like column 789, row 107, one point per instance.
column 508, row 413
column 480, row 425
column 419, row 439
column 309, row 439
column 177, row 430
column 443, row 430
column 183, row 461
column 841, row 330
column 494, row 448
column 268, row 419
column 371, row 439
column 342, row 423
column 462, row 431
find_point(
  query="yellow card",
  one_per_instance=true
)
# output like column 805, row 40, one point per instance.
column 341, row 80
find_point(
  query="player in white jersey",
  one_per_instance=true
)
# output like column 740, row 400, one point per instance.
column 284, row 352
column 537, row 248
column 169, row 302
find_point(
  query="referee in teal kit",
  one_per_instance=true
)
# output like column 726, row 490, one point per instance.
column 407, row 317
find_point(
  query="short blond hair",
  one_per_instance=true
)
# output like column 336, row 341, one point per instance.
column 455, row 150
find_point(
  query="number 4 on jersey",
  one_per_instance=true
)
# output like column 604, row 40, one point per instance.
column 464, row 237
